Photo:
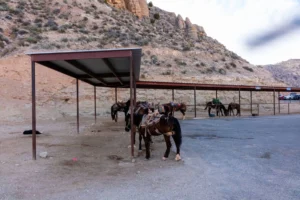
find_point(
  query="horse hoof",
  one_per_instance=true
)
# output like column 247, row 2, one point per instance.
column 177, row 158
column 164, row 158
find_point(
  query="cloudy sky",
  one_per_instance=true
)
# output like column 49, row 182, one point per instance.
column 235, row 22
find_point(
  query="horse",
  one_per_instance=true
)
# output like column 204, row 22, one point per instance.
column 169, row 108
column 219, row 108
column 234, row 106
column 118, row 107
column 166, row 125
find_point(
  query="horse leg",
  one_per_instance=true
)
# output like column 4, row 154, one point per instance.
column 168, row 143
column 140, row 142
column 177, row 143
column 147, row 144
column 183, row 114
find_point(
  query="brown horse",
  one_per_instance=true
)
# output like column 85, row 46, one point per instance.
column 220, row 108
column 169, row 108
column 118, row 107
column 166, row 125
column 234, row 106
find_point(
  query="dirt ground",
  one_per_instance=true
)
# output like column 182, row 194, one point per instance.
column 100, row 152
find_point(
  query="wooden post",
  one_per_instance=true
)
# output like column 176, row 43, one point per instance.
column 258, row 109
column 251, row 101
column 288, row 108
column 195, row 106
column 216, row 94
column 274, row 102
column 172, row 95
column 116, row 95
column 95, row 104
column 131, row 107
column 240, row 101
column 77, row 102
column 278, row 102
column 33, row 110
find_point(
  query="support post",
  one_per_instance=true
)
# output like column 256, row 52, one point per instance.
column 216, row 94
column 278, row 102
column 240, row 101
column 131, row 107
column 116, row 95
column 172, row 95
column 134, row 91
column 251, row 102
column 288, row 108
column 258, row 109
column 77, row 102
column 274, row 102
column 95, row 104
column 195, row 106
column 33, row 111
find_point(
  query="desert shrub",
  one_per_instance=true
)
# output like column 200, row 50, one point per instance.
column 143, row 76
column 152, row 21
column 203, row 64
column 183, row 72
column 156, row 16
column 154, row 59
column 56, row 11
column 248, row 68
column 64, row 40
column 3, row 6
column 233, row 65
column 150, row 4
column 222, row 71
column 32, row 39
column 166, row 73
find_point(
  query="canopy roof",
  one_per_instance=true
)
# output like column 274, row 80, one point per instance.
column 105, row 67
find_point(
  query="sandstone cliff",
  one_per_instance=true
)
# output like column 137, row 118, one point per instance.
column 137, row 7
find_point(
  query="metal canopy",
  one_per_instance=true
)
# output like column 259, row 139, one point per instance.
column 105, row 67
column 198, row 86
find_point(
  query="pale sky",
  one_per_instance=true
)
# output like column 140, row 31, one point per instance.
column 234, row 22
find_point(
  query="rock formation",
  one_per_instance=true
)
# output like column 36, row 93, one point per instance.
column 193, row 31
column 137, row 7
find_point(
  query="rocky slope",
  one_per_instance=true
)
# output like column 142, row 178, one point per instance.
column 173, row 50
column 287, row 72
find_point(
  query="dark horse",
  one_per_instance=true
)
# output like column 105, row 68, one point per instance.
column 169, row 108
column 118, row 107
column 235, row 106
column 167, row 125
column 219, row 108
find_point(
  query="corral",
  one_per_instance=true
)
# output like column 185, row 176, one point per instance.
column 119, row 68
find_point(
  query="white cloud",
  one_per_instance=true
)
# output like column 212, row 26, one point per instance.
column 233, row 22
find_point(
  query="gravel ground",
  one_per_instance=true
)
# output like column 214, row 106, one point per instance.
column 227, row 158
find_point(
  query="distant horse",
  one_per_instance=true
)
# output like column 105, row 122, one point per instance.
column 166, row 125
column 169, row 108
column 219, row 108
column 234, row 106
column 118, row 107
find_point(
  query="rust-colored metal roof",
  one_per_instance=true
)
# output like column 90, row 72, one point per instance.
column 198, row 86
column 104, row 67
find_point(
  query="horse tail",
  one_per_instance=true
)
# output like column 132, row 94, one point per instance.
column 112, row 112
column 183, row 108
column 177, row 129
column 206, row 107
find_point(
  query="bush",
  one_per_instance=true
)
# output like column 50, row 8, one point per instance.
column 248, row 68
column 64, row 39
column 150, row 4
column 156, row 16
column 222, row 71
column 167, row 73
column 183, row 72
column 3, row 6
column 152, row 21
column 233, row 65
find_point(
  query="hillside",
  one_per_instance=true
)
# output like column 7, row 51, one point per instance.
column 173, row 50
column 287, row 72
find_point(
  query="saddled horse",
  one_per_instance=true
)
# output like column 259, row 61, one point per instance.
column 118, row 107
column 169, row 108
column 234, row 106
column 166, row 125
column 219, row 108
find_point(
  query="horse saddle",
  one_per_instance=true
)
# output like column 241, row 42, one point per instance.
column 151, row 120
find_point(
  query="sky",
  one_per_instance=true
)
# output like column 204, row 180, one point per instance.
column 235, row 22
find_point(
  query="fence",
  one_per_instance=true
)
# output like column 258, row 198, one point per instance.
column 261, row 109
